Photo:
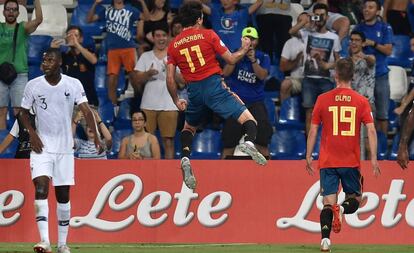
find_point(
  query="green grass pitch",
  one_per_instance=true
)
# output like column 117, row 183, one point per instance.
column 212, row 248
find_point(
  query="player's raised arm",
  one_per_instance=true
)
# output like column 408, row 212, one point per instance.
column 90, row 121
column 233, row 58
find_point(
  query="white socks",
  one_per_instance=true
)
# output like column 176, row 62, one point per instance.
column 42, row 213
column 63, row 216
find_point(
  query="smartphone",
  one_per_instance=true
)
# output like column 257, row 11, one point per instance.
column 316, row 18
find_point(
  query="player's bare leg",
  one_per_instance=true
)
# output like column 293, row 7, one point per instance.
column 250, row 128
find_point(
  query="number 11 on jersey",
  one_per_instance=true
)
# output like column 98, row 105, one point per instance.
column 187, row 55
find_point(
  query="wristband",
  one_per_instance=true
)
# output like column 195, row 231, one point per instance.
column 100, row 122
column 75, row 122
column 253, row 62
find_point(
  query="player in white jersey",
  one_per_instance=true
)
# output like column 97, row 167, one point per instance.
column 53, row 97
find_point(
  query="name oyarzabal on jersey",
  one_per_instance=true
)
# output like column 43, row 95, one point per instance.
column 53, row 106
column 194, row 51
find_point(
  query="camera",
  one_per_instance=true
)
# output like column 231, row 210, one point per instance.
column 316, row 18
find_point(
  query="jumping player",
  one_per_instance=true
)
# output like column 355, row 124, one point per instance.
column 194, row 52
column 340, row 112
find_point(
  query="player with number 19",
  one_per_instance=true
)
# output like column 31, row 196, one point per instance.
column 340, row 112
column 194, row 52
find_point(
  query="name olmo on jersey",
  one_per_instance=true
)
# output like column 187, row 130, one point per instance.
column 214, row 203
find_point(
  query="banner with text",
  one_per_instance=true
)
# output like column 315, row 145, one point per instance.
column 235, row 202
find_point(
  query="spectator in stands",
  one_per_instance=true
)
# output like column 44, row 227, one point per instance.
column 19, row 132
column 363, row 81
column 395, row 14
column 352, row 9
column 273, row 37
column 14, row 91
column 335, row 22
column 403, row 109
column 229, row 20
column 78, row 61
column 161, row 112
column 176, row 27
column 364, row 67
column 291, row 61
column 159, row 15
column 21, row 2
column 85, row 149
column 246, row 79
column 120, row 20
column 378, row 43
column 140, row 145
column 321, row 51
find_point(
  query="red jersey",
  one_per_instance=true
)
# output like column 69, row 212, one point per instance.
column 194, row 52
column 341, row 112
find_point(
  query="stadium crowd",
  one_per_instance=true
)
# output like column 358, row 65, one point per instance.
column 118, row 50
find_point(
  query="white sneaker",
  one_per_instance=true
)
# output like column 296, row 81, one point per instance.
column 42, row 247
column 63, row 249
column 188, row 176
column 248, row 147
column 326, row 245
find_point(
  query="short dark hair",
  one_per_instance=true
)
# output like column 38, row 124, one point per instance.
column 75, row 27
column 190, row 12
column 360, row 34
column 377, row 2
column 165, row 8
column 139, row 111
column 160, row 26
column 55, row 51
column 345, row 69
column 11, row 1
column 319, row 6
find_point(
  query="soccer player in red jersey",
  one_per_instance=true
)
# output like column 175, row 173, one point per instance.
column 340, row 112
column 194, row 52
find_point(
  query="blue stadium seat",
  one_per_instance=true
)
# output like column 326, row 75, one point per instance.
column 275, row 72
column 291, row 114
column 106, row 110
column 271, row 110
column 38, row 44
column 316, row 148
column 79, row 19
column 345, row 47
column 123, row 120
column 395, row 145
column 103, row 53
column 117, row 137
column 288, row 145
column 11, row 150
column 382, row 150
column 34, row 71
column 100, row 79
column 393, row 119
column 401, row 52
column 207, row 145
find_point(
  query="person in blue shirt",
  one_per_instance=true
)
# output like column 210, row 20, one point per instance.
column 229, row 20
column 246, row 80
column 120, row 39
column 378, row 43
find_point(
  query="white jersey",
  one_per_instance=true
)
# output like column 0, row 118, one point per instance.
column 291, row 49
column 53, row 106
column 156, row 96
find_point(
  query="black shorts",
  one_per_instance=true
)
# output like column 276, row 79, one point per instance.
column 233, row 131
